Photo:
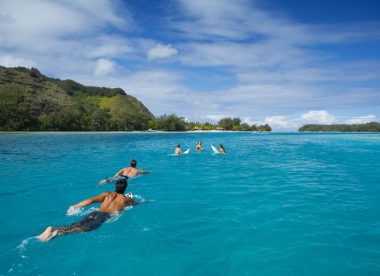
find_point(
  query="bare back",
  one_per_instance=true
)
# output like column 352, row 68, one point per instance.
column 113, row 202
column 130, row 172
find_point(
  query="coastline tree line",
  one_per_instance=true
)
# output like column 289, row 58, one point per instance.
column 368, row 127
column 174, row 123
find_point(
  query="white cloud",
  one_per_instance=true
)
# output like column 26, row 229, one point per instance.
column 318, row 117
column 361, row 119
column 216, row 117
column 104, row 67
column 12, row 61
column 285, row 123
column 280, row 122
column 161, row 52
column 109, row 46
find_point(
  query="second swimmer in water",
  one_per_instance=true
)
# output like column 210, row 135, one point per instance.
column 199, row 146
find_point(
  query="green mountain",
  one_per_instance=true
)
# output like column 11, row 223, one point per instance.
column 32, row 101
column 368, row 127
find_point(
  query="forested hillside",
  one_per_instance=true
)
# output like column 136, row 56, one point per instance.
column 369, row 127
column 32, row 101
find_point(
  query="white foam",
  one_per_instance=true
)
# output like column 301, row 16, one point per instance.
column 139, row 198
column 80, row 211
column 24, row 243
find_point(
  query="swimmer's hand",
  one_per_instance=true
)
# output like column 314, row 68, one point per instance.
column 73, row 210
column 104, row 181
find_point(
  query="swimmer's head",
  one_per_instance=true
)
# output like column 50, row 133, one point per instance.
column 179, row 145
column 133, row 163
column 121, row 186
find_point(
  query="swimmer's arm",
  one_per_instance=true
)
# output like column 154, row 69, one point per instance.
column 90, row 201
column 131, row 202
column 119, row 172
column 143, row 172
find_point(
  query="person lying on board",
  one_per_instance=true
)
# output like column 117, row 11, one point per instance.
column 110, row 202
column 126, row 173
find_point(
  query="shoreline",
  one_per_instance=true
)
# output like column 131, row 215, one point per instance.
column 182, row 132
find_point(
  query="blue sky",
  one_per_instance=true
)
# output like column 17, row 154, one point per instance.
column 286, row 63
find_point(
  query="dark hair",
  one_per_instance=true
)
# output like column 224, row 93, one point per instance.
column 179, row 145
column 121, row 186
column 220, row 145
column 133, row 163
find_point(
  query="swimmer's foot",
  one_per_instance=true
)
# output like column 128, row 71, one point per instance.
column 54, row 234
column 46, row 235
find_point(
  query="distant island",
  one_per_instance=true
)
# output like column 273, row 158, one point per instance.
column 31, row 101
column 369, row 127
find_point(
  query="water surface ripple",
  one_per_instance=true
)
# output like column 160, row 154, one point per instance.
column 275, row 204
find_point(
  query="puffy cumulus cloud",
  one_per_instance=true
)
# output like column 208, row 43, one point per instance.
column 284, row 123
column 215, row 117
column 56, row 36
column 318, row 117
column 13, row 61
column 161, row 52
column 280, row 122
column 109, row 46
column 104, row 67
column 360, row 119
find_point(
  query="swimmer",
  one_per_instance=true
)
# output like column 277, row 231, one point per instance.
column 110, row 202
column 199, row 146
column 221, row 150
column 178, row 149
column 131, row 171
column 126, row 173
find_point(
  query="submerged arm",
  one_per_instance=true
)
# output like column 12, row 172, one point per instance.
column 143, row 172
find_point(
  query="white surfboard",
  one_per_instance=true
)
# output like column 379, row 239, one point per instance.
column 214, row 149
column 185, row 152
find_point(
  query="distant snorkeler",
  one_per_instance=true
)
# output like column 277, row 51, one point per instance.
column 221, row 150
column 178, row 149
column 199, row 146
column 111, row 202
column 126, row 173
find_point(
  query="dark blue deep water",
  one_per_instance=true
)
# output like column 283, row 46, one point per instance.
column 275, row 204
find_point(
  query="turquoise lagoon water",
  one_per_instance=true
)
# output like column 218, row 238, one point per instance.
column 276, row 204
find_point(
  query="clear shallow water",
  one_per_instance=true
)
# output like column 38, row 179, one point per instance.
column 276, row 204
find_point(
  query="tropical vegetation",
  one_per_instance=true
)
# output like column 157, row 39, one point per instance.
column 369, row 127
column 32, row 101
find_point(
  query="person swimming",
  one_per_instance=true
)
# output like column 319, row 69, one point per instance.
column 199, row 146
column 221, row 150
column 110, row 202
column 178, row 149
column 126, row 173
column 131, row 171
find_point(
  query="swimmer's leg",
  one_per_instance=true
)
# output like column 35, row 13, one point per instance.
column 51, row 233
